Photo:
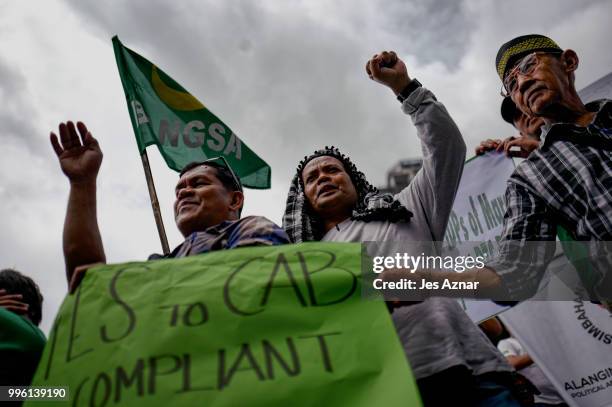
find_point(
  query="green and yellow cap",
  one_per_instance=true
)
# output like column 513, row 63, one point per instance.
column 518, row 47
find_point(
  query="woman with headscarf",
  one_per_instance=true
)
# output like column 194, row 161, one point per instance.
column 330, row 200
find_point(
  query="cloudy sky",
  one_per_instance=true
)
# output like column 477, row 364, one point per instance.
column 286, row 76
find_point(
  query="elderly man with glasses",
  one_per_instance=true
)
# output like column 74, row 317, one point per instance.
column 567, row 181
column 207, row 208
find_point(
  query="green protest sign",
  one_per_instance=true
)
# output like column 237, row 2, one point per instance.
column 164, row 114
column 266, row 326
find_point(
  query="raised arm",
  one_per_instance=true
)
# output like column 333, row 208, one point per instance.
column 432, row 192
column 80, row 159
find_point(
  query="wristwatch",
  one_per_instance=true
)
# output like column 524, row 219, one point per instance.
column 411, row 87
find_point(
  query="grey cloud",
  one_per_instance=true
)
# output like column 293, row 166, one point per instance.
column 600, row 89
column 11, row 81
column 435, row 30
column 17, row 117
column 283, row 82
column 194, row 39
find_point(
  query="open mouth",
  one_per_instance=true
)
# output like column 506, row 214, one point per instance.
column 185, row 204
column 325, row 189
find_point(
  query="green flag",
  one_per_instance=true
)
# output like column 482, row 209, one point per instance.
column 165, row 114
column 264, row 326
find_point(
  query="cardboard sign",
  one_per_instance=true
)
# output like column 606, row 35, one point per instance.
column 282, row 325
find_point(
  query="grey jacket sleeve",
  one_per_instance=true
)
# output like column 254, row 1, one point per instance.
column 432, row 192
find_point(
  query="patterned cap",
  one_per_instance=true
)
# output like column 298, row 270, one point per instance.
column 518, row 47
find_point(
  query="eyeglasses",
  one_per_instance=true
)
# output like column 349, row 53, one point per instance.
column 524, row 67
column 221, row 161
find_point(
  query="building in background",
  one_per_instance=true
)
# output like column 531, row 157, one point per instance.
column 400, row 175
column 600, row 89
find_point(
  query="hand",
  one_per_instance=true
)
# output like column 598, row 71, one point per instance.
column 526, row 144
column 388, row 69
column 11, row 302
column 79, row 275
column 487, row 145
column 80, row 158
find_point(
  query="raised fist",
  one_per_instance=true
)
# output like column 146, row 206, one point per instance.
column 80, row 157
column 388, row 69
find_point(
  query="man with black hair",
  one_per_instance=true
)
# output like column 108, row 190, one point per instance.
column 207, row 208
column 330, row 200
column 527, row 140
column 21, row 341
column 20, row 294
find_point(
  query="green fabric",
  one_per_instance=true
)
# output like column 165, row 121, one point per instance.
column 19, row 334
column 578, row 254
column 21, row 346
column 164, row 114
column 265, row 326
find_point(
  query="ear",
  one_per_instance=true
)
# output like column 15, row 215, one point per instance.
column 570, row 59
column 237, row 201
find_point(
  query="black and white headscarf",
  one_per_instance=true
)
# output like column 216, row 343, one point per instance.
column 302, row 226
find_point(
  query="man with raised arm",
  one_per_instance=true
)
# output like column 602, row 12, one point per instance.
column 207, row 208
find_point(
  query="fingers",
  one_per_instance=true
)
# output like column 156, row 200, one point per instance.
column 374, row 67
column 78, row 275
column 65, row 136
column 69, row 137
column 84, row 133
column 502, row 146
column 88, row 139
column 487, row 145
column 388, row 58
column 369, row 64
column 10, row 297
column 508, row 144
column 55, row 144
column 526, row 145
column 385, row 59
column 74, row 137
column 11, row 302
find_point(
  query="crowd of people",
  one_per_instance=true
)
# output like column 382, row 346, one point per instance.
column 564, row 181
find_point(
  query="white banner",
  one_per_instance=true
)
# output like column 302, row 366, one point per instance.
column 477, row 216
column 571, row 341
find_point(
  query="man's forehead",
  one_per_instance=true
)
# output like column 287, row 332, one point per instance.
column 323, row 160
column 200, row 171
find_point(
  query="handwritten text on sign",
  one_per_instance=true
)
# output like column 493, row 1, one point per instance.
column 259, row 326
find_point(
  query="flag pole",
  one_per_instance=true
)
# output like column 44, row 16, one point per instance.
column 155, row 203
